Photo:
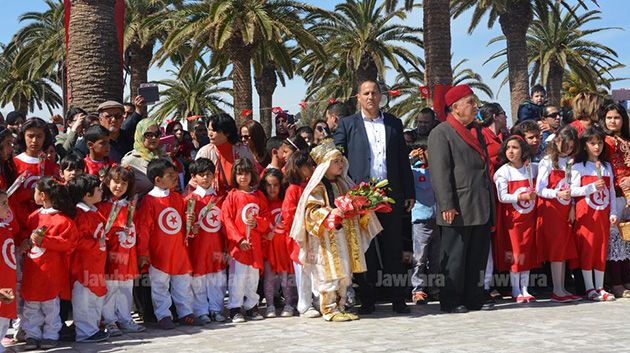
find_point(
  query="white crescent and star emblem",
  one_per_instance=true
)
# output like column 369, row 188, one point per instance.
column 169, row 221
column 562, row 184
column 211, row 222
column 276, row 215
column 598, row 200
column 8, row 253
column 521, row 206
column 251, row 209
column 29, row 183
column 127, row 240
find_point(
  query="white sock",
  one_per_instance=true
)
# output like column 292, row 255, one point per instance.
column 599, row 279
column 524, row 275
column 514, row 278
column 557, row 277
column 588, row 279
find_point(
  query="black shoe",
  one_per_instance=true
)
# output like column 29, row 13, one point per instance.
column 367, row 309
column 67, row 333
column 400, row 307
column 234, row 311
column 31, row 344
column 489, row 305
column 100, row 336
column 460, row 309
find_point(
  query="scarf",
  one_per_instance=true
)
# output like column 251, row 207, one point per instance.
column 138, row 144
column 469, row 136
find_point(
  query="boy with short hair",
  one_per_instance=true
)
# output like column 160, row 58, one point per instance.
column 161, row 244
column 273, row 150
column 532, row 109
column 97, row 141
column 87, row 262
column 207, row 248
column 530, row 132
column 70, row 167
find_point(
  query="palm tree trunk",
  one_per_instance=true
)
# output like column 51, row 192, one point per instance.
column 140, row 62
column 240, row 58
column 367, row 70
column 554, row 83
column 94, row 67
column 437, row 43
column 266, row 84
column 20, row 104
column 514, row 23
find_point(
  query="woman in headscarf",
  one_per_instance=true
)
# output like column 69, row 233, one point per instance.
column 146, row 147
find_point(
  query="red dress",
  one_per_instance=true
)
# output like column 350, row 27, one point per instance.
column 207, row 248
column 121, row 263
column 22, row 201
column 289, row 206
column 577, row 125
column 8, row 265
column 592, row 216
column 276, row 251
column 87, row 264
column 554, row 235
column 161, row 231
column 234, row 212
column 618, row 149
column 93, row 167
column 46, row 268
column 518, row 220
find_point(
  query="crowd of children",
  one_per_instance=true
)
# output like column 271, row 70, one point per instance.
column 75, row 235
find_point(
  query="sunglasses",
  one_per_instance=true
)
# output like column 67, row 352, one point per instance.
column 320, row 128
column 151, row 135
column 552, row 115
column 245, row 137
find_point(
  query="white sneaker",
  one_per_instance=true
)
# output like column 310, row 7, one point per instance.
column 217, row 316
column 131, row 327
column 270, row 312
column 204, row 319
column 311, row 313
column 113, row 330
column 287, row 311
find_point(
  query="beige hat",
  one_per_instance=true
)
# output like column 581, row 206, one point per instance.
column 110, row 104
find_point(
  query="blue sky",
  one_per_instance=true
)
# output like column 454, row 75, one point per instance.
column 464, row 46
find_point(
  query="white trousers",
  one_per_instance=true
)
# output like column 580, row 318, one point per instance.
column 304, row 287
column 118, row 301
column 4, row 327
column 86, row 311
column 180, row 290
column 243, row 286
column 41, row 320
column 208, row 291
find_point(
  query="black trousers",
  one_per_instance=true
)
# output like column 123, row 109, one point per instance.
column 385, row 270
column 463, row 259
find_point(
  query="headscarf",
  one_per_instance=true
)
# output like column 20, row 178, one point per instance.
column 138, row 144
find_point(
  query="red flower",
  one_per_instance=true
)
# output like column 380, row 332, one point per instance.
column 246, row 112
column 303, row 105
column 277, row 110
column 332, row 100
column 394, row 92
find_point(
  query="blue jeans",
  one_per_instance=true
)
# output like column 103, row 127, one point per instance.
column 426, row 255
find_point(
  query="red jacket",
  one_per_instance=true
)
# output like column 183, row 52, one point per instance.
column 87, row 263
column 121, row 263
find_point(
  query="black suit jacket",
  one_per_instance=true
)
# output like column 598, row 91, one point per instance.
column 352, row 137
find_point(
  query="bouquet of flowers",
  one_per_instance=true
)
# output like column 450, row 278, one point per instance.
column 359, row 201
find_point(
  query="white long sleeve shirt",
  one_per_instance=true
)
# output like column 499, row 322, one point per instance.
column 608, row 193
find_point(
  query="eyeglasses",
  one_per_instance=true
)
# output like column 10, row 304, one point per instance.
column 151, row 135
column 552, row 115
column 320, row 128
column 245, row 137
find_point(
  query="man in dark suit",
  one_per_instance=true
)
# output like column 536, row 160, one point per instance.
column 460, row 178
column 374, row 144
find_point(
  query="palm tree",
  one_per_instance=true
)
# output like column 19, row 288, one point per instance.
column 198, row 92
column 361, row 39
column 556, row 42
column 22, row 86
column 515, row 17
column 235, row 27
column 94, row 64
column 144, row 26
column 42, row 39
column 437, row 45
column 574, row 83
column 409, row 103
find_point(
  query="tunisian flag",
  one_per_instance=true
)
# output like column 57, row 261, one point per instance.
column 119, row 12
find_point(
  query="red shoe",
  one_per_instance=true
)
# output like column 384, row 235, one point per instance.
column 520, row 299
column 575, row 298
column 561, row 299
column 530, row 298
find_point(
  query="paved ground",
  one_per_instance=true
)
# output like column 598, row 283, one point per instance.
column 542, row 326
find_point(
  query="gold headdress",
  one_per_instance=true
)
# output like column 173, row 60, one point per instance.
column 325, row 151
